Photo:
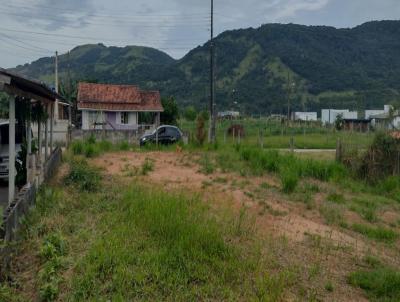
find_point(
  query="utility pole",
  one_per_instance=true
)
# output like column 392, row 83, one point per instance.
column 56, row 87
column 288, row 97
column 212, row 82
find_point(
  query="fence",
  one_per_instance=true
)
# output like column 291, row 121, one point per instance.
column 25, row 199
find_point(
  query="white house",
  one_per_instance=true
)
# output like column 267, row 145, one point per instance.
column 116, row 107
column 305, row 116
column 328, row 116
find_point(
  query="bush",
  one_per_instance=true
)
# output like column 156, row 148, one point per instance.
column 82, row 175
column 289, row 180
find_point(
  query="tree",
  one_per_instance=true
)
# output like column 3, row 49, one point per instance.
column 339, row 123
column 190, row 113
column 171, row 113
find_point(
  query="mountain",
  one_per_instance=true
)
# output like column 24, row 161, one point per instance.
column 325, row 67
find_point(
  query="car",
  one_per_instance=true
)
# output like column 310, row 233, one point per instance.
column 165, row 135
column 4, row 149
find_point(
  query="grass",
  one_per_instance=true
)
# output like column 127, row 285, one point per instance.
column 381, row 284
column 131, row 242
column 332, row 213
column 378, row 233
column 91, row 148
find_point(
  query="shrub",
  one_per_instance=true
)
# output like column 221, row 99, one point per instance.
column 91, row 150
column 289, row 180
column 85, row 177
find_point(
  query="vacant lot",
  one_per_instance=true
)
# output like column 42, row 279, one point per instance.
column 207, row 225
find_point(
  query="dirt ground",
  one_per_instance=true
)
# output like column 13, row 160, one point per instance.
column 308, row 240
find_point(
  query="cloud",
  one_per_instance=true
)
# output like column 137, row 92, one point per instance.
column 174, row 26
column 52, row 15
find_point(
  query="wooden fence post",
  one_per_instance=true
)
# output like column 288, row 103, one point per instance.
column 339, row 150
column 291, row 144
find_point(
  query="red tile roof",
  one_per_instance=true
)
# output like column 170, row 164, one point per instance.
column 108, row 97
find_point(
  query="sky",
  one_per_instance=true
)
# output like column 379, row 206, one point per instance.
column 31, row 29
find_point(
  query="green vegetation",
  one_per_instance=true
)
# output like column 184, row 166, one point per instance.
column 51, row 252
column 85, row 177
column 377, row 233
column 125, row 243
column 381, row 284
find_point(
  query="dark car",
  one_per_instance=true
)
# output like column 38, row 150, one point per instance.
column 165, row 135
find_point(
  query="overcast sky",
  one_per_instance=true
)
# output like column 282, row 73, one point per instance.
column 30, row 29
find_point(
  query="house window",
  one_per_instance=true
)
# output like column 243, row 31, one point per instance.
column 124, row 118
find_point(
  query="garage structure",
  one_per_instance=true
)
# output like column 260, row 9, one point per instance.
column 33, row 93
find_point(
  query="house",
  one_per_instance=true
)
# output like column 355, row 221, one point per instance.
column 359, row 125
column 305, row 116
column 328, row 116
column 386, row 121
column 118, row 107
column 229, row 115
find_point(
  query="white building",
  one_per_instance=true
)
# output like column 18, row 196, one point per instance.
column 370, row 113
column 305, row 116
column 328, row 116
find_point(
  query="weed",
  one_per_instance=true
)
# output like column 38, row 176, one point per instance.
column 336, row 198
column 332, row 213
column 147, row 166
column 377, row 233
column 207, row 165
column 329, row 286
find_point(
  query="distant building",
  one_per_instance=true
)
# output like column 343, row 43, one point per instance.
column 328, row 116
column 369, row 113
column 117, row 107
column 305, row 116
column 229, row 115
column 386, row 121
column 359, row 125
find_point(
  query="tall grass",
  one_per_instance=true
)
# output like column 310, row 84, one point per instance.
column 168, row 247
column 260, row 161
column 381, row 284
column 92, row 148
column 85, row 177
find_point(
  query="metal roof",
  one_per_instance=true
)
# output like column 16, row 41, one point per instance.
column 25, row 87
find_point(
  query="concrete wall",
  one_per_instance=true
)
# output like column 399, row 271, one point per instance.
column 305, row 116
column 114, row 136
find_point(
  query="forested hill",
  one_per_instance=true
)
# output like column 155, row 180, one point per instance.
column 326, row 67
